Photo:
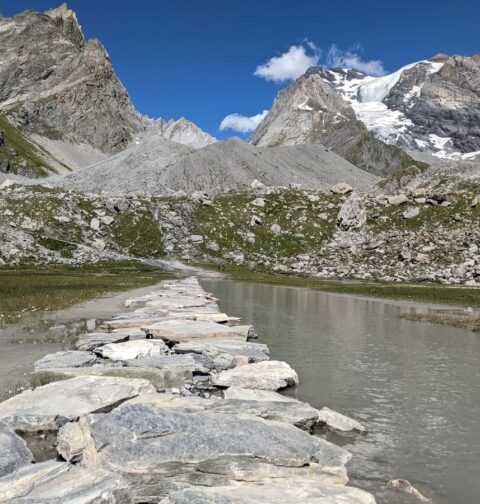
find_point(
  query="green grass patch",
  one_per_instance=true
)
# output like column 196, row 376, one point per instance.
column 463, row 320
column 64, row 248
column 25, row 293
column 138, row 233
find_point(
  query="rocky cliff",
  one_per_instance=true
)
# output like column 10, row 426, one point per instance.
column 310, row 111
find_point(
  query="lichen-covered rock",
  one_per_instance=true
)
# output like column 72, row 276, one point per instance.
column 353, row 214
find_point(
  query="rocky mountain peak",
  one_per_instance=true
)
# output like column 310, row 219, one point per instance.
column 67, row 20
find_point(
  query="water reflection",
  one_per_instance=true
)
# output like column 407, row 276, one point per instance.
column 416, row 385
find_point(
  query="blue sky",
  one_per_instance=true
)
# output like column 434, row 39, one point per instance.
column 197, row 58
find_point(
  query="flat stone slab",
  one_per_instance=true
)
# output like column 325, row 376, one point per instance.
column 162, row 451
column 160, row 379
column 69, row 358
column 13, row 451
column 296, row 413
column 58, row 483
column 131, row 350
column 292, row 492
column 94, row 340
column 267, row 375
column 179, row 331
column 255, row 395
column 194, row 363
column 138, row 322
column 254, row 352
column 48, row 407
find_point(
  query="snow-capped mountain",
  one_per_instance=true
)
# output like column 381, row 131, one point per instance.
column 431, row 105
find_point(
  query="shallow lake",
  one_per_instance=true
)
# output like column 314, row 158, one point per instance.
column 415, row 385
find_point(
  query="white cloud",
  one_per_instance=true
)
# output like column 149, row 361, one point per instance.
column 242, row 124
column 291, row 64
column 351, row 59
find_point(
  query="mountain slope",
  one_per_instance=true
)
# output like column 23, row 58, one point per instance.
column 431, row 106
column 159, row 166
column 310, row 111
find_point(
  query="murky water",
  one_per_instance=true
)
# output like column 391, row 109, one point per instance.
column 415, row 385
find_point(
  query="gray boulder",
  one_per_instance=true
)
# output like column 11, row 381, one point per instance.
column 94, row 340
column 50, row 406
column 14, row 451
column 267, row 375
column 131, row 349
column 162, row 451
column 353, row 214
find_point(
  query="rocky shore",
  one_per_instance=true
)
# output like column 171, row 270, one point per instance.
column 172, row 402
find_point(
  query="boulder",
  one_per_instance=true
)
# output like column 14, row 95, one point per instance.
column 404, row 486
column 275, row 229
column 14, row 451
column 341, row 188
column 194, row 363
column 353, row 214
column 131, row 349
column 162, row 451
column 255, row 352
column 70, row 358
column 160, row 379
column 178, row 331
column 341, row 424
column 54, row 482
column 267, row 375
column 50, row 406
column 293, row 491
column 398, row 199
column 259, row 202
column 411, row 212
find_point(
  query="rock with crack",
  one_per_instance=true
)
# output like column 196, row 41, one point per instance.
column 69, row 358
column 179, row 331
column 289, row 492
column 255, row 395
column 254, row 352
column 162, row 451
column 131, row 350
column 160, row 379
column 14, row 451
column 295, row 413
column 48, row 407
column 219, row 318
column 194, row 363
column 54, row 482
column 353, row 214
column 267, row 375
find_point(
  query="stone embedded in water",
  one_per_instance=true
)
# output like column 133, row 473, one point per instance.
column 404, row 486
column 50, row 406
column 54, row 482
column 336, row 422
column 13, row 451
column 187, row 330
column 131, row 349
column 162, row 451
column 69, row 358
column 292, row 491
column 267, row 375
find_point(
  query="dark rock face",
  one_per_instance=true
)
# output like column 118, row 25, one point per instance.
column 310, row 111
column 56, row 84
column 448, row 104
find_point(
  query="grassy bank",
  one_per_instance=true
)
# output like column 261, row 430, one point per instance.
column 463, row 320
column 418, row 293
column 27, row 292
